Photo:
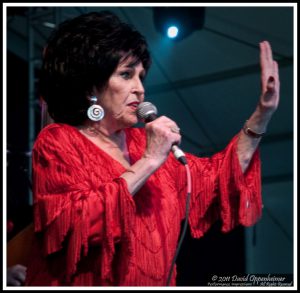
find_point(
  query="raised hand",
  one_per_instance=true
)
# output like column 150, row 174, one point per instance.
column 267, row 105
column 270, row 83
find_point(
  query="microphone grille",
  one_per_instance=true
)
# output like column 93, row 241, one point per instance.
column 145, row 109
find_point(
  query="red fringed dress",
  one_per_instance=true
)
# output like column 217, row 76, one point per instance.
column 90, row 231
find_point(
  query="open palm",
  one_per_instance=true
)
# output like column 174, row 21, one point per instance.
column 269, row 99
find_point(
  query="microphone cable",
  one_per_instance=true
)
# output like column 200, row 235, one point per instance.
column 147, row 112
column 187, row 208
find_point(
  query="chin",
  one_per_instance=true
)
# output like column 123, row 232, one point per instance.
column 133, row 119
column 130, row 121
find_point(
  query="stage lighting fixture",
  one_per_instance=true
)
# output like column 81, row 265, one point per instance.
column 172, row 31
column 178, row 22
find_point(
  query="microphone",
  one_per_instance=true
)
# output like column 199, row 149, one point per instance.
column 147, row 112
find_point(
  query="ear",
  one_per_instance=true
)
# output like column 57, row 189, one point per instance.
column 89, row 95
column 96, row 91
column 93, row 99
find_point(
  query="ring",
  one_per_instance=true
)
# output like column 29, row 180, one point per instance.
column 175, row 129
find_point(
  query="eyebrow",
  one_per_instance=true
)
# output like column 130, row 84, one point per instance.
column 132, row 65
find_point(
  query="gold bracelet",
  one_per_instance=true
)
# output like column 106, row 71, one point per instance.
column 130, row 170
column 250, row 132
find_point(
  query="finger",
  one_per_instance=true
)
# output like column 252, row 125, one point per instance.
column 20, row 267
column 21, row 275
column 269, row 54
column 276, row 71
column 177, row 139
column 263, row 65
column 169, row 124
column 271, row 84
column 273, row 80
column 164, row 119
column 266, row 59
column 175, row 129
column 13, row 283
column 263, row 57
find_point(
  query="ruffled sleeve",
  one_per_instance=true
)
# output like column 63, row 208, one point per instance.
column 73, row 208
column 220, row 190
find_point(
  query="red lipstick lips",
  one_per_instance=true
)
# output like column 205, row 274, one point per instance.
column 134, row 104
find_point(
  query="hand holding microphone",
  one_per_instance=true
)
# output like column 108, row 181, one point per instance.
column 162, row 135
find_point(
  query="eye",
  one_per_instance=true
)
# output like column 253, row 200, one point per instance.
column 142, row 77
column 126, row 74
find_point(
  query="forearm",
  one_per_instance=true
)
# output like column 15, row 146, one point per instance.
column 138, row 173
column 247, row 144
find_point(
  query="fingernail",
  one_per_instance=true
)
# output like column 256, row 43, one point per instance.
column 271, row 83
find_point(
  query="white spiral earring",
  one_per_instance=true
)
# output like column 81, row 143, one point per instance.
column 95, row 112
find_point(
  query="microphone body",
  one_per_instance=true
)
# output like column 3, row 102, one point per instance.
column 147, row 112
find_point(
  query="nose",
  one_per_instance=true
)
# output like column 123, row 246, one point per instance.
column 138, row 88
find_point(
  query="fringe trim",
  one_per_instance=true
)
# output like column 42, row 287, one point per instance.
column 225, row 192
column 126, row 222
column 72, row 223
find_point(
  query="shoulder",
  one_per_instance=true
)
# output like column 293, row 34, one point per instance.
column 56, row 134
column 56, row 129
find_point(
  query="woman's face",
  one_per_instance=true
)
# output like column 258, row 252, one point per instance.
column 122, row 95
